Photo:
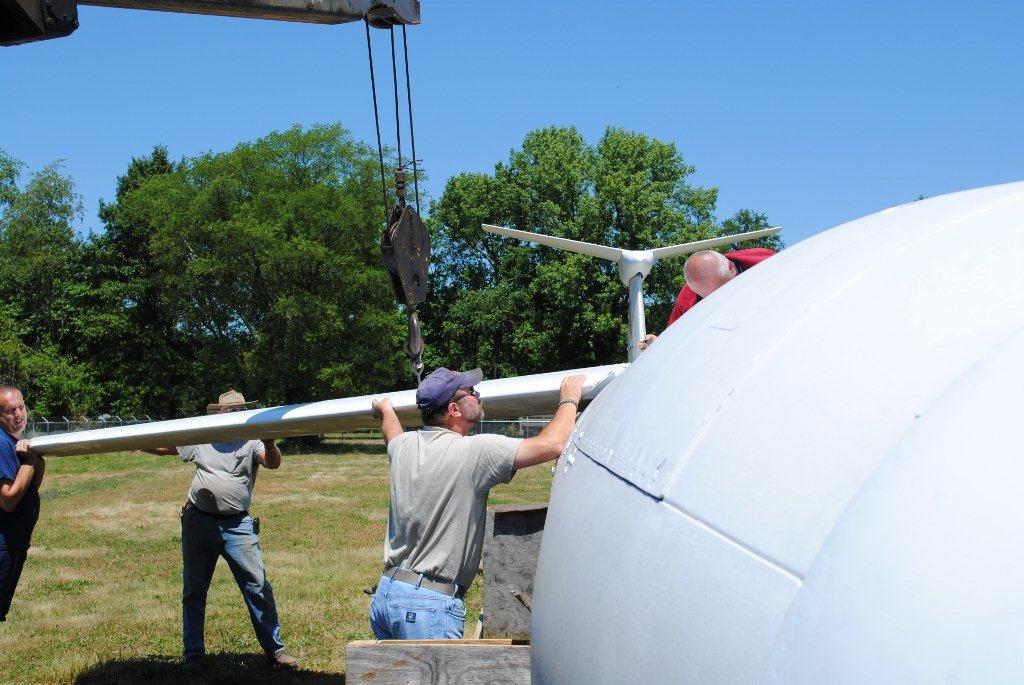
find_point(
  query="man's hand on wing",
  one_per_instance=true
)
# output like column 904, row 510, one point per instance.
column 380, row 406
column 26, row 453
column 572, row 388
column 646, row 341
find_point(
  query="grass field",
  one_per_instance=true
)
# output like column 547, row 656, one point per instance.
column 100, row 598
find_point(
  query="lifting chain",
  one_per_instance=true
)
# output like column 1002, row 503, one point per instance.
column 405, row 244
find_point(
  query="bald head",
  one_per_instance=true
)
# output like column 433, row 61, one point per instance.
column 707, row 271
column 13, row 414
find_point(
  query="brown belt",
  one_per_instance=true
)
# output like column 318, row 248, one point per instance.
column 445, row 587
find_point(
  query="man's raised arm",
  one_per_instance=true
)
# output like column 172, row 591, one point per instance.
column 550, row 442
column 390, row 424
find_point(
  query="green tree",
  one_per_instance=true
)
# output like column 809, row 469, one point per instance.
column 132, row 337
column 747, row 220
column 268, row 258
column 513, row 308
column 43, row 291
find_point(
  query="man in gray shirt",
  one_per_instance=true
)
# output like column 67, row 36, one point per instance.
column 440, row 480
column 215, row 522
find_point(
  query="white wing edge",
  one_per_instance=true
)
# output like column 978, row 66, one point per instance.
column 615, row 254
column 594, row 250
column 503, row 398
column 698, row 245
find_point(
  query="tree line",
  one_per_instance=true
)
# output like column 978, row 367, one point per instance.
column 259, row 268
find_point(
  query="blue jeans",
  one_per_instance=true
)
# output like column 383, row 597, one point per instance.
column 11, row 563
column 203, row 539
column 400, row 611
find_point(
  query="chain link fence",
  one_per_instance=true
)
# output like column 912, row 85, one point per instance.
column 48, row 425
column 526, row 427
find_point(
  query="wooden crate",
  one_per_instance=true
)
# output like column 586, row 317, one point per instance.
column 511, row 546
column 437, row 662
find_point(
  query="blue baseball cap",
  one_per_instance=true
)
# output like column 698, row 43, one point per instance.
column 437, row 389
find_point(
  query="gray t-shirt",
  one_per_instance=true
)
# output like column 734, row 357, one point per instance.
column 439, row 486
column 225, row 474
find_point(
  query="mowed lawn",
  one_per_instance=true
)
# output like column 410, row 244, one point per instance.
column 100, row 597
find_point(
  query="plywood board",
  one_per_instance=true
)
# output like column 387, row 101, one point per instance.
column 437, row 662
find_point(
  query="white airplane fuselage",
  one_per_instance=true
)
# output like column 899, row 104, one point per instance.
column 813, row 477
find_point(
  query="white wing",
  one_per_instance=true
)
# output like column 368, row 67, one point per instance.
column 503, row 398
column 614, row 254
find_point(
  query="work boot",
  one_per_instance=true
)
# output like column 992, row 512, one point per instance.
column 283, row 659
column 192, row 664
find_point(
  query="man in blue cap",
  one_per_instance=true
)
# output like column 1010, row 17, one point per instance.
column 440, row 479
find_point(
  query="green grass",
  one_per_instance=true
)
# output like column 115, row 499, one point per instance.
column 100, row 597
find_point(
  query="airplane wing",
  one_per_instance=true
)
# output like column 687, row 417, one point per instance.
column 615, row 254
column 698, row 245
column 612, row 254
column 503, row 398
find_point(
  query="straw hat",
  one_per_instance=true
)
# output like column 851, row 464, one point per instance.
column 232, row 398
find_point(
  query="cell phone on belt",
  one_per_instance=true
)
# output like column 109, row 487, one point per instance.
column 256, row 525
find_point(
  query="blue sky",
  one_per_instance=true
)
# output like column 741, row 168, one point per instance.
column 812, row 114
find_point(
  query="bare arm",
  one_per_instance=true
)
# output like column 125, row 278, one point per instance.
column 30, row 474
column 271, row 457
column 550, row 442
column 11, row 491
column 390, row 425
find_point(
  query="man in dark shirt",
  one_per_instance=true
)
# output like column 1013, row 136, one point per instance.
column 21, row 472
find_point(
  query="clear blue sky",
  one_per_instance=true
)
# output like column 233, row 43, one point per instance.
column 813, row 114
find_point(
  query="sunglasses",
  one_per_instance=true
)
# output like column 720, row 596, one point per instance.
column 469, row 393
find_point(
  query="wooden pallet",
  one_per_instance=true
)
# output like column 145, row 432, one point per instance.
column 437, row 662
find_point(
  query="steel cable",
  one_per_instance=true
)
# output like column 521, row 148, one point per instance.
column 398, row 120
column 412, row 130
column 376, row 121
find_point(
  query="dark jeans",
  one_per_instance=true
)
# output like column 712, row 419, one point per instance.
column 11, row 563
column 203, row 539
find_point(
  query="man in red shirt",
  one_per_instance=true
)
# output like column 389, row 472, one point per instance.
column 706, row 272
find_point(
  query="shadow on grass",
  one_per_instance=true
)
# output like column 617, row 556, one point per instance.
column 218, row 669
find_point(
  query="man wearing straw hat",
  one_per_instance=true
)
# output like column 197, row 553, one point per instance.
column 215, row 522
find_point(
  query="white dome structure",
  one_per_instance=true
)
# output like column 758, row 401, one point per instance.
column 814, row 476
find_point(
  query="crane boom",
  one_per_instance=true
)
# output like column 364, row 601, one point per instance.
column 25, row 21
column 380, row 14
